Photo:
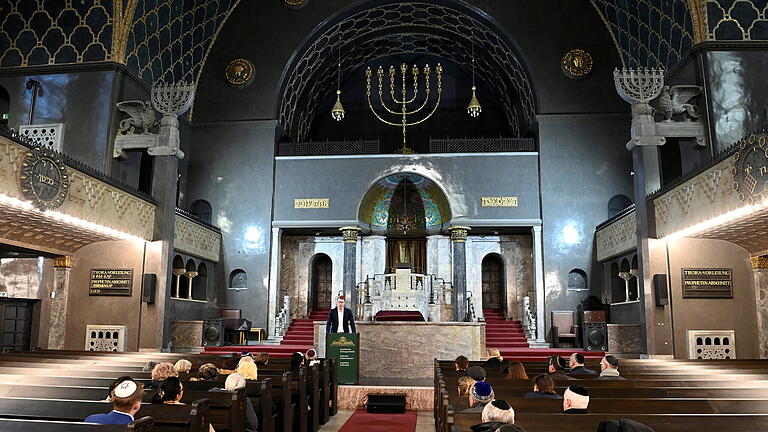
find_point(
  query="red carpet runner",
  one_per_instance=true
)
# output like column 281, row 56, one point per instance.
column 362, row 421
column 508, row 336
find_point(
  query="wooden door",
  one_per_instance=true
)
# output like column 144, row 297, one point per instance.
column 322, row 282
column 16, row 316
column 493, row 283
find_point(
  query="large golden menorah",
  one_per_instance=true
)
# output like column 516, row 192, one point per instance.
column 403, row 113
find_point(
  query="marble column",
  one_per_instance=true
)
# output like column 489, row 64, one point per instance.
column 57, row 326
column 538, row 283
column 350, row 235
column 760, row 273
column 459, row 296
column 274, row 279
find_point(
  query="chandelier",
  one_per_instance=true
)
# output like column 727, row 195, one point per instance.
column 474, row 109
column 337, row 112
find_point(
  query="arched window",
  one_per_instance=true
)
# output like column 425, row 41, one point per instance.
column 577, row 280
column 493, row 282
column 238, row 279
column 322, row 281
column 200, row 283
column 202, row 210
column 617, row 284
column 5, row 106
column 617, row 204
column 185, row 287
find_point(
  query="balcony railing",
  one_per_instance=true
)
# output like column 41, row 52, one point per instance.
column 481, row 145
column 328, row 148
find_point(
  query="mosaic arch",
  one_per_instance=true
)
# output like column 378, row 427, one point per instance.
column 425, row 201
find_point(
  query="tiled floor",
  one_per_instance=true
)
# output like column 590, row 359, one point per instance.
column 424, row 423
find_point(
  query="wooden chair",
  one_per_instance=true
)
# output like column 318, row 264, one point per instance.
column 563, row 327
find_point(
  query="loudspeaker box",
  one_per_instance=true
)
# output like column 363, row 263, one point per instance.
column 595, row 336
column 213, row 332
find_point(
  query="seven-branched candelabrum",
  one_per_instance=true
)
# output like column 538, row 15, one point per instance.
column 409, row 110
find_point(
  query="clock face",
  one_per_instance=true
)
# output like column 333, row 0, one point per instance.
column 44, row 179
column 751, row 169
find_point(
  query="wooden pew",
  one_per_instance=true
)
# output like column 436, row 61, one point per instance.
column 192, row 417
column 23, row 425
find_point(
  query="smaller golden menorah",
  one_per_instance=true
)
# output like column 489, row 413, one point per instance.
column 406, row 116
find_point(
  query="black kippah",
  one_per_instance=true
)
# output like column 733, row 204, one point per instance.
column 613, row 361
column 579, row 358
column 560, row 362
column 579, row 390
column 501, row 404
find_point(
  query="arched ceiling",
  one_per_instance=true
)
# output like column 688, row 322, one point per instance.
column 170, row 39
column 364, row 34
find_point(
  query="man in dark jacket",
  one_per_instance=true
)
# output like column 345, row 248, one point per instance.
column 575, row 400
column 340, row 318
column 623, row 425
column 577, row 366
column 609, row 366
column 557, row 367
column 495, row 415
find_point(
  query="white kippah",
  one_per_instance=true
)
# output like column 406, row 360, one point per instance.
column 125, row 389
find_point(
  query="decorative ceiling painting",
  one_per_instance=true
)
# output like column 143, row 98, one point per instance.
column 404, row 204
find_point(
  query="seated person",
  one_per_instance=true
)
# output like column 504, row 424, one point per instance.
column 609, row 367
column 623, row 425
column 182, row 366
column 465, row 383
column 126, row 402
column 170, row 392
column 207, row 372
column 543, row 387
column 479, row 395
column 296, row 361
column 310, row 357
column 247, row 368
column 516, row 371
column 477, row 373
column 114, row 384
column 510, row 428
column 576, row 363
column 262, row 359
column 495, row 361
column 557, row 366
column 160, row 372
column 495, row 415
column 575, row 400
column 229, row 366
column 461, row 364
column 233, row 383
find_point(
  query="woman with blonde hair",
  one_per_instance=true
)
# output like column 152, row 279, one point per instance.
column 465, row 383
column 247, row 368
column 160, row 372
column 233, row 383
column 183, row 366
column 516, row 371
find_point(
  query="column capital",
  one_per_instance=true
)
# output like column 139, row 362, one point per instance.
column 536, row 228
column 459, row 233
column 350, row 233
column 759, row 263
column 63, row 261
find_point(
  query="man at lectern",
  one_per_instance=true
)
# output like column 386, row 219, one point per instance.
column 340, row 314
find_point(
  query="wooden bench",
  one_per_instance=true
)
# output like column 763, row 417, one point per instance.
column 23, row 425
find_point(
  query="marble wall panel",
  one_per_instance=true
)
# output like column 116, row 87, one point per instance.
column 516, row 253
column 21, row 277
column 296, row 272
column 187, row 334
column 761, row 296
column 407, row 349
column 356, row 397
column 625, row 338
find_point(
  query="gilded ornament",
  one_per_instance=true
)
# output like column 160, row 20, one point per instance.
column 576, row 64
column 750, row 169
column 239, row 72
column 295, row 4
column 44, row 178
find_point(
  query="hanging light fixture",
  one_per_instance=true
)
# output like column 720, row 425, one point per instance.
column 474, row 109
column 338, row 110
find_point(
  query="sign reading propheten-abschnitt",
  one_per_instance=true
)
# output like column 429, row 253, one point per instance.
column 111, row 282
column 707, row 283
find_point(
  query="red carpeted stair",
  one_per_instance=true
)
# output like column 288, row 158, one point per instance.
column 399, row 316
column 508, row 336
column 299, row 338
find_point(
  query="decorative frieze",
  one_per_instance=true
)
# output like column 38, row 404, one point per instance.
column 195, row 239
column 617, row 238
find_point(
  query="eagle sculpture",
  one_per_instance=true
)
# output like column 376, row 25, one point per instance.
column 675, row 100
column 142, row 116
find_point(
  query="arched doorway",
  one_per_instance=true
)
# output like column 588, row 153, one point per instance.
column 322, row 281
column 493, row 282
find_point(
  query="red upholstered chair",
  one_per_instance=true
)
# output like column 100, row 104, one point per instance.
column 563, row 327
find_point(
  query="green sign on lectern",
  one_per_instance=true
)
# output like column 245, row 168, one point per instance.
column 345, row 348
